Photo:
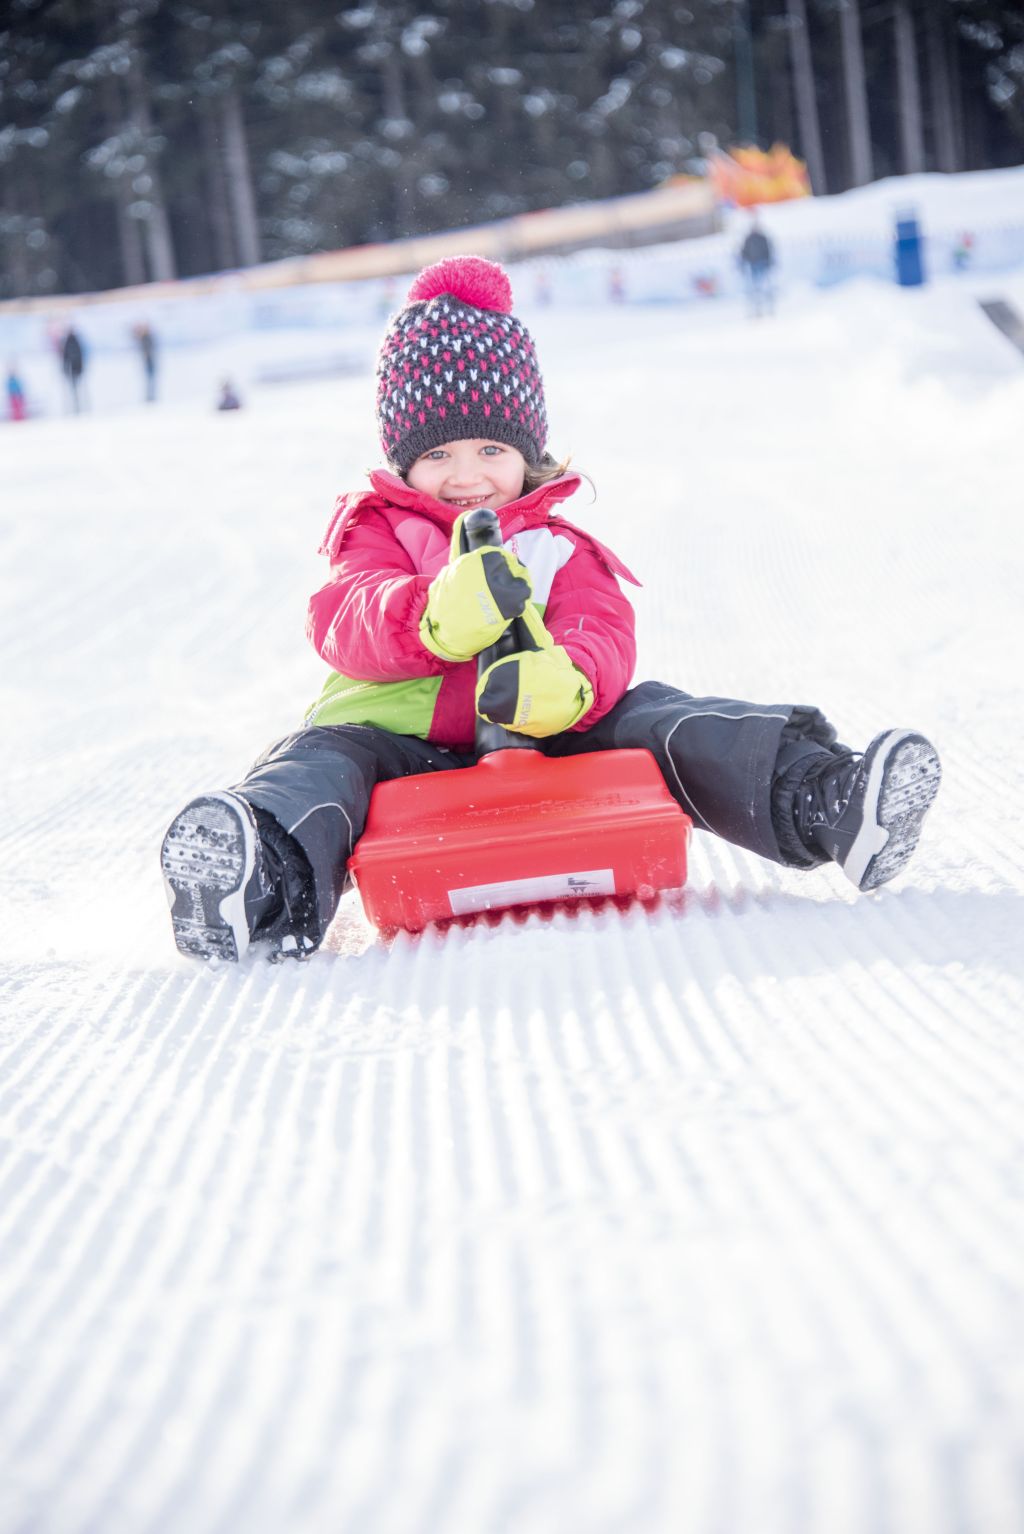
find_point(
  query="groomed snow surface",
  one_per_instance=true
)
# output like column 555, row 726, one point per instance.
column 706, row 1218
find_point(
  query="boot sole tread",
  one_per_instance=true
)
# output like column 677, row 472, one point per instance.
column 910, row 783
column 205, row 858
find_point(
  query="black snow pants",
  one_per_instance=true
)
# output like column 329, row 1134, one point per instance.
column 723, row 760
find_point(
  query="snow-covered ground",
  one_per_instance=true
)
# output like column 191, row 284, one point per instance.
column 702, row 1219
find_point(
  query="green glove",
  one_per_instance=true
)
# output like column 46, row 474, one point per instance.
column 535, row 692
column 472, row 601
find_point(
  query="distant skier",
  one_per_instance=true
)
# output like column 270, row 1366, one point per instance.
column 757, row 259
column 404, row 615
column 145, row 340
column 17, row 408
column 962, row 251
column 72, row 361
column 228, row 399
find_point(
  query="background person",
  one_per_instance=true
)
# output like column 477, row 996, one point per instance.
column 757, row 259
column 228, row 398
column 17, row 408
column 145, row 340
column 72, row 361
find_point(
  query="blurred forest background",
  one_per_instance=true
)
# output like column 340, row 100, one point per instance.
column 162, row 138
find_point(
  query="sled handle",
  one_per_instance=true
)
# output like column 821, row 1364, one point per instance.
column 480, row 530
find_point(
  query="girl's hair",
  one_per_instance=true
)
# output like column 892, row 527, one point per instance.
column 548, row 468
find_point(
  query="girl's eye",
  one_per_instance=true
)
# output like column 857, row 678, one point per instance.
column 492, row 449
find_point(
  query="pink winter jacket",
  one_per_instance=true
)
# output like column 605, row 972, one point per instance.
column 386, row 545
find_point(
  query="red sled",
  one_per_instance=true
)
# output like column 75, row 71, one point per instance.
column 519, row 828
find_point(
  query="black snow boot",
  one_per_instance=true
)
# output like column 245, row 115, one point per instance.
column 865, row 812
column 229, row 879
column 290, row 926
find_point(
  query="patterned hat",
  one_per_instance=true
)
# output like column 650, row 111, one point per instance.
column 456, row 363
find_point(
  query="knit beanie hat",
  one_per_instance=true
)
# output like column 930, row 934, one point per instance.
column 456, row 363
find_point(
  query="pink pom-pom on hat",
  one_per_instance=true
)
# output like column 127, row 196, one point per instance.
column 455, row 362
column 476, row 281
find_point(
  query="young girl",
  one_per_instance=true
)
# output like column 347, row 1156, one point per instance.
column 460, row 407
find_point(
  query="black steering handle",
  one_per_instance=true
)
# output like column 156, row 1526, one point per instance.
column 480, row 530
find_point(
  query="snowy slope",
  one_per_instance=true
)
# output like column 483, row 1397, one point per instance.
column 705, row 1219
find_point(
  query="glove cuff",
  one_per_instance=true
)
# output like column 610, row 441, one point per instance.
column 430, row 641
column 586, row 696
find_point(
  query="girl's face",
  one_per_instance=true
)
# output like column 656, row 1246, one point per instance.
column 471, row 473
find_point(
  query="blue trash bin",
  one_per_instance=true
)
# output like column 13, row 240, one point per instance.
column 909, row 251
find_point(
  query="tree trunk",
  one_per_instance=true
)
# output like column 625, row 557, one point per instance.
column 937, row 38
column 909, row 90
column 16, row 264
column 158, row 240
column 975, row 86
column 216, row 193
column 857, row 127
column 133, row 259
column 955, row 92
column 392, row 83
column 746, row 93
column 239, row 174
column 159, row 244
column 806, row 102
column 956, row 98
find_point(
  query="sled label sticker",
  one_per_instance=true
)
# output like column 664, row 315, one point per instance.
column 568, row 886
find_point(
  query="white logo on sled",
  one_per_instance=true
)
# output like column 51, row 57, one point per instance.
column 574, row 886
